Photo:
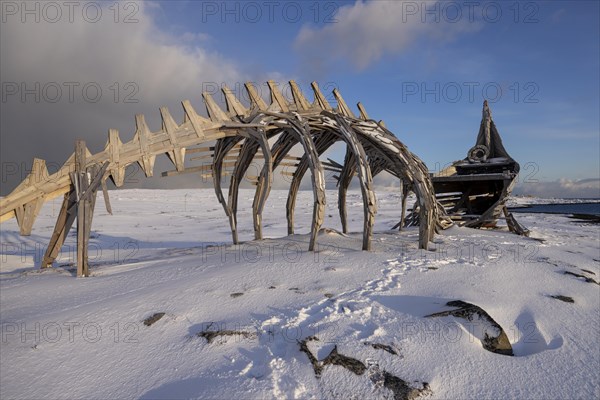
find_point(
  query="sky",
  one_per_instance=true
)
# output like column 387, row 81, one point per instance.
column 74, row 70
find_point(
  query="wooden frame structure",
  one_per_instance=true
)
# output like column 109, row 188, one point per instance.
column 241, row 134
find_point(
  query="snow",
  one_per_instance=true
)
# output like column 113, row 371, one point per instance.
column 169, row 251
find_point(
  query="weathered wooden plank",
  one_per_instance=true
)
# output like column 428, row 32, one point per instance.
column 142, row 135
column 195, row 119
column 233, row 104
column 320, row 100
column 81, row 181
column 177, row 155
column 277, row 98
column 215, row 113
column 363, row 112
column 66, row 217
column 301, row 103
column 342, row 107
column 255, row 98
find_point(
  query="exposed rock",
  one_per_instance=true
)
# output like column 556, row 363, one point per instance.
column 317, row 367
column 211, row 335
column 399, row 387
column 153, row 318
column 351, row 364
column 380, row 346
column 494, row 338
column 587, row 279
column 588, row 271
column 566, row 299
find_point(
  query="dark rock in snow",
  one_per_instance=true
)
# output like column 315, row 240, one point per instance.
column 153, row 318
column 493, row 338
column 566, row 299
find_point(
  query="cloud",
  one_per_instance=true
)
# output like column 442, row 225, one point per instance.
column 71, row 78
column 562, row 188
column 367, row 31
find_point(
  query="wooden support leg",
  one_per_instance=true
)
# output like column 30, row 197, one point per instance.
column 82, row 183
column 66, row 217
column 346, row 175
column 365, row 179
column 405, row 190
column 86, row 190
column 263, row 187
column 222, row 147
column 514, row 225
column 31, row 211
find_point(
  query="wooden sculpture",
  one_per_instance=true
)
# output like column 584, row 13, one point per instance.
column 241, row 134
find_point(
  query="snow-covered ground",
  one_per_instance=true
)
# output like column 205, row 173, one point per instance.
column 169, row 252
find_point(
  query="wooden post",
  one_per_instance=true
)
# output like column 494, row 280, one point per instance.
column 65, row 220
column 81, row 184
column 404, row 191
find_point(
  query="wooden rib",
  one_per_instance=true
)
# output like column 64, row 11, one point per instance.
column 198, row 168
column 285, row 164
column 199, row 149
column 210, row 157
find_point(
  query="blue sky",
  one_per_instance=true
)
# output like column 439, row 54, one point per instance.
column 404, row 64
column 543, row 55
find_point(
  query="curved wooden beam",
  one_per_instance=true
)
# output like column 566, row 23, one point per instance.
column 299, row 128
column 222, row 147
column 346, row 176
column 322, row 143
column 364, row 177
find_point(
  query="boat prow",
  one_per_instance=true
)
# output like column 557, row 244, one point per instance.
column 474, row 191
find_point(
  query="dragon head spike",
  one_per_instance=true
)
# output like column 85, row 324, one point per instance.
column 234, row 106
column 486, row 112
column 177, row 155
column 342, row 106
column 192, row 116
column 215, row 113
column 277, row 97
column 255, row 98
column 301, row 103
column 363, row 113
column 113, row 147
